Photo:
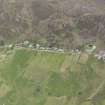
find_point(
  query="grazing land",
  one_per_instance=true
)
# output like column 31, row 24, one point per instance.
column 31, row 77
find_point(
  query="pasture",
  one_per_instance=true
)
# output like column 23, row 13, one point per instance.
column 30, row 77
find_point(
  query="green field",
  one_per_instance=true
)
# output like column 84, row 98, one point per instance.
column 30, row 77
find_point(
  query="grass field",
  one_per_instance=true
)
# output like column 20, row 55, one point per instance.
column 41, row 78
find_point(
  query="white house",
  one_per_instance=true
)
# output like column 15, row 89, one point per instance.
column 60, row 50
column 90, row 48
column 37, row 46
column 26, row 42
column 30, row 46
column 100, row 55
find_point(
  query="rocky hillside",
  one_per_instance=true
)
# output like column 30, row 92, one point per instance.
column 61, row 23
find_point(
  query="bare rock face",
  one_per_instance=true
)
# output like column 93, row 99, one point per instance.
column 66, row 23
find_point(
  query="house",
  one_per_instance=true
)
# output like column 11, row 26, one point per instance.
column 37, row 46
column 10, row 46
column 77, row 51
column 42, row 48
column 60, row 50
column 30, row 46
column 100, row 55
column 90, row 48
column 26, row 42
column 19, row 45
column 55, row 48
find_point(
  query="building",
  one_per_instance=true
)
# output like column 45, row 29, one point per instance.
column 100, row 55
column 37, row 46
column 90, row 48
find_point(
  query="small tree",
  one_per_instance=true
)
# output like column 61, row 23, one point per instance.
column 2, row 43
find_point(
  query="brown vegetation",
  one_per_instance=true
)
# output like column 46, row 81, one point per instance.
column 61, row 23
